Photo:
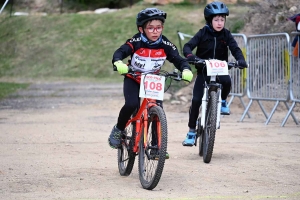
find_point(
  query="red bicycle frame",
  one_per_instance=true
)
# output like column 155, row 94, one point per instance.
column 141, row 119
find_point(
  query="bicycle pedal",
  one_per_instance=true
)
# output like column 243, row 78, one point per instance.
column 156, row 157
column 167, row 156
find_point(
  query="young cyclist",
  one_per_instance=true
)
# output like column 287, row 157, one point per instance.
column 212, row 42
column 148, row 50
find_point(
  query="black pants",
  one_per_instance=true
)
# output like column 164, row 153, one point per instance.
column 198, row 92
column 131, row 91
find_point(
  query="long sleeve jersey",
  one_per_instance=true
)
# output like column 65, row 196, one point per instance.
column 213, row 45
column 146, row 58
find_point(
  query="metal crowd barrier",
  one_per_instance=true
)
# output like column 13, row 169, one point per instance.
column 294, row 81
column 273, row 75
column 239, row 77
column 267, row 80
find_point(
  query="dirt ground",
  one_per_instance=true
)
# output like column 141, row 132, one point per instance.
column 53, row 140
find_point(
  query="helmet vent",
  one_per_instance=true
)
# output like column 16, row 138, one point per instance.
column 149, row 14
column 215, row 8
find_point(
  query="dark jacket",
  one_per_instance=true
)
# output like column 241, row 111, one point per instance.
column 142, row 53
column 213, row 45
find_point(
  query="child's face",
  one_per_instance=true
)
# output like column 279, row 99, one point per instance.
column 218, row 22
column 152, row 30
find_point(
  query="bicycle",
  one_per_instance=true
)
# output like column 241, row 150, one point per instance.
column 146, row 133
column 209, row 118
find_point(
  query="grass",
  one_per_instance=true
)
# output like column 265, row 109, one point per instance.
column 74, row 46
column 8, row 88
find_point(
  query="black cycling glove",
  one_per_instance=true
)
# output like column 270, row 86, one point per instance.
column 242, row 64
column 192, row 58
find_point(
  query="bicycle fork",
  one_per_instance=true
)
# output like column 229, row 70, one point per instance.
column 155, row 142
column 203, row 106
column 219, row 108
column 205, row 99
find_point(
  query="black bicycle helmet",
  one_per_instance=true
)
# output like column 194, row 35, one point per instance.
column 149, row 14
column 213, row 9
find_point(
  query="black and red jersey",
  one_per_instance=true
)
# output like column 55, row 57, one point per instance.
column 146, row 58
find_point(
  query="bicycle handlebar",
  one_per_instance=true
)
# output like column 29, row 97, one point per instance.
column 201, row 61
column 175, row 75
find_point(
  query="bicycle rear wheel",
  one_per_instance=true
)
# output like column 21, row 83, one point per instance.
column 209, row 131
column 152, row 155
column 126, row 156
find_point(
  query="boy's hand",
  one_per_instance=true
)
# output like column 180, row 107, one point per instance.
column 192, row 58
column 187, row 75
column 242, row 64
column 121, row 67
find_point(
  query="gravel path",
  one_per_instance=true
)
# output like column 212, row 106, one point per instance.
column 54, row 146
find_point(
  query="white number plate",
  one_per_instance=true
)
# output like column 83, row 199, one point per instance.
column 152, row 86
column 216, row 67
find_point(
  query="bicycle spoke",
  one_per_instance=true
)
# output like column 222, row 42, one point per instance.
column 210, row 127
column 126, row 156
column 152, row 158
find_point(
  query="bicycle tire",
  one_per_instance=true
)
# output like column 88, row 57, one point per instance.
column 126, row 156
column 152, row 158
column 209, row 131
column 200, row 136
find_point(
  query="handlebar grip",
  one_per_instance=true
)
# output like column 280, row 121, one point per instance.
column 236, row 65
column 232, row 64
column 200, row 61
column 197, row 61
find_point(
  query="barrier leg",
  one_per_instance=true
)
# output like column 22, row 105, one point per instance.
column 263, row 109
column 246, row 111
column 290, row 113
column 272, row 112
column 243, row 103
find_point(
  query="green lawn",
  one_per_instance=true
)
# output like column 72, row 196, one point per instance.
column 74, row 46
column 8, row 88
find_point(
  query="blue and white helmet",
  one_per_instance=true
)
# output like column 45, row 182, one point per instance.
column 213, row 9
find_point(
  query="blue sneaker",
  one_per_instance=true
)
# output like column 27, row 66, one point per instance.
column 224, row 108
column 114, row 139
column 190, row 139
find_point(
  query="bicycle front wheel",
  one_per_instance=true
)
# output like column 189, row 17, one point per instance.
column 152, row 155
column 209, row 131
column 126, row 156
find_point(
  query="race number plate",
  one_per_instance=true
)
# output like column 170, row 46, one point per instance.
column 152, row 86
column 216, row 67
